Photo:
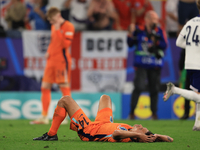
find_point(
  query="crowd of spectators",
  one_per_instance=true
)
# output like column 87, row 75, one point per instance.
column 87, row 14
column 84, row 14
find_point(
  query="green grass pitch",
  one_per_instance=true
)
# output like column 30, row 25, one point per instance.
column 18, row 135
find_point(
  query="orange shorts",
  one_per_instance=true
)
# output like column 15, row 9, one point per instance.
column 99, row 130
column 104, row 116
column 79, row 120
column 81, row 123
column 55, row 74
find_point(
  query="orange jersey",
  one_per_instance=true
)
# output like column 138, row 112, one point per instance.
column 99, row 130
column 59, row 45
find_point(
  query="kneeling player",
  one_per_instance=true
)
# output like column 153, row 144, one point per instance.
column 102, row 129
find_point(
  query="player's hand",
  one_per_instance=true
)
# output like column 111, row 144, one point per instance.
column 46, row 55
column 145, row 138
column 153, row 137
column 57, row 25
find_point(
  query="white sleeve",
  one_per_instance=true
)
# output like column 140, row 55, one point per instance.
column 181, row 42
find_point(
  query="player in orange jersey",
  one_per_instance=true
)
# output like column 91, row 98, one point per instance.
column 102, row 129
column 58, row 65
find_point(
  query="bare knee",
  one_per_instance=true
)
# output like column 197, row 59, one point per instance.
column 105, row 98
column 64, row 101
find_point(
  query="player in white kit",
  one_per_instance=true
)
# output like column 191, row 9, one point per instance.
column 189, row 38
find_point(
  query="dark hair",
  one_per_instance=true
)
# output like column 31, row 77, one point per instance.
column 148, row 133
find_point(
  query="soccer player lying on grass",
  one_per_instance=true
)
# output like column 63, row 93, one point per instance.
column 102, row 129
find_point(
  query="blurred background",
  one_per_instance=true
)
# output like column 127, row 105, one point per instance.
column 102, row 62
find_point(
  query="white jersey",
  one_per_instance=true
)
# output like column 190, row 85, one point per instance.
column 189, row 38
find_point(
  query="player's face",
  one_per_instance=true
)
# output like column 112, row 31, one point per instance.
column 54, row 19
column 139, row 128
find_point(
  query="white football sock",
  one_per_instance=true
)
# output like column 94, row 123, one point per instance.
column 188, row 94
column 197, row 119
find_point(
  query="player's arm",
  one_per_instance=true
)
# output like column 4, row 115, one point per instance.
column 180, row 42
column 163, row 138
column 121, row 134
column 67, row 35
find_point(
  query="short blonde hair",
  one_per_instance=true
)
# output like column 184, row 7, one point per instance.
column 52, row 12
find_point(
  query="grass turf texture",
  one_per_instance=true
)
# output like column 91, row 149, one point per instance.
column 18, row 135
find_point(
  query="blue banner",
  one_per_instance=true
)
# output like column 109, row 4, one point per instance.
column 171, row 109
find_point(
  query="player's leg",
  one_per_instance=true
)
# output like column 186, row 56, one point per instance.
column 196, row 126
column 65, row 89
column 105, row 102
column 65, row 105
column 48, row 79
column 195, row 85
column 63, row 80
column 105, row 109
column 45, row 99
column 63, row 77
column 188, row 94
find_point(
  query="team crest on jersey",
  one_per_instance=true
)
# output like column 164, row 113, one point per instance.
column 122, row 128
column 111, row 119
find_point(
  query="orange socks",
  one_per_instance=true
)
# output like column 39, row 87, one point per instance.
column 65, row 91
column 58, row 116
column 46, row 98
